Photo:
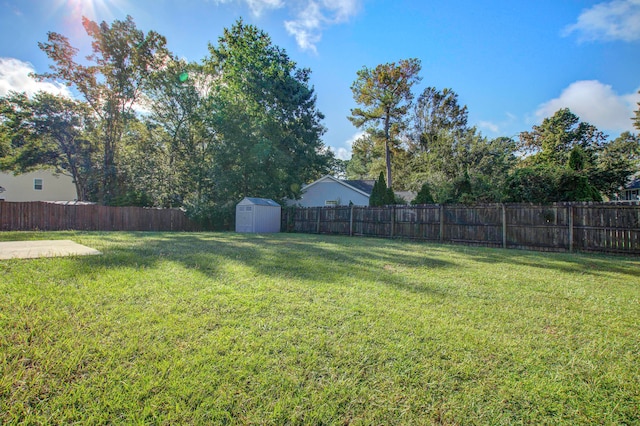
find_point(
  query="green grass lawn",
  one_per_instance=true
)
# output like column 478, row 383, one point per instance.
column 211, row 328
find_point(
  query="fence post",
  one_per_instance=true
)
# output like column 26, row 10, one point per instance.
column 318, row 221
column 570, row 228
column 393, row 219
column 504, row 226
column 441, row 222
column 351, row 221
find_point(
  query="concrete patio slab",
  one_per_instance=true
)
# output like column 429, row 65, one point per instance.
column 43, row 248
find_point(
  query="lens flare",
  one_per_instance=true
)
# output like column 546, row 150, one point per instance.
column 93, row 9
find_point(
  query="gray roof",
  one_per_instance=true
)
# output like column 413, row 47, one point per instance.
column 262, row 201
column 407, row 196
column 635, row 184
column 362, row 185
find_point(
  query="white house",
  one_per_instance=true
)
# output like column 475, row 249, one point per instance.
column 40, row 185
column 632, row 191
column 329, row 191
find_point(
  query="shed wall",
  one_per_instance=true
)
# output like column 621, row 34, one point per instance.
column 257, row 218
column 266, row 219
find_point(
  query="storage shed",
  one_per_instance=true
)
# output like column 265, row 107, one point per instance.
column 257, row 215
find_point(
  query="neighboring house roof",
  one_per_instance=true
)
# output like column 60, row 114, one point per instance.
column 363, row 185
column 72, row 203
column 352, row 184
column 407, row 196
column 635, row 184
column 261, row 201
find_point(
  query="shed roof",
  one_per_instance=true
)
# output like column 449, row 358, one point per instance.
column 261, row 201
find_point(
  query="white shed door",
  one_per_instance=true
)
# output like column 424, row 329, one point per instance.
column 245, row 219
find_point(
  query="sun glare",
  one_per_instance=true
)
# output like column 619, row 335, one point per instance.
column 93, row 9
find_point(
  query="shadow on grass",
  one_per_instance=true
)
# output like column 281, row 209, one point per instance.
column 314, row 259
column 595, row 265
column 320, row 258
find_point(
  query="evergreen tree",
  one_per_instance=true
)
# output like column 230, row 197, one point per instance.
column 378, row 192
column 389, row 197
column 636, row 119
column 424, row 195
column 385, row 92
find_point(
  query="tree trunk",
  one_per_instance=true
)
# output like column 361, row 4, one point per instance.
column 387, row 150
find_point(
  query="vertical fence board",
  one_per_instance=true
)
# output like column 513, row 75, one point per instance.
column 607, row 228
column 32, row 216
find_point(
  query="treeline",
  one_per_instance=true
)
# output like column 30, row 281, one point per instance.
column 427, row 146
column 147, row 128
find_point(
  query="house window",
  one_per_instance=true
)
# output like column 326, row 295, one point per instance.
column 37, row 184
column 331, row 203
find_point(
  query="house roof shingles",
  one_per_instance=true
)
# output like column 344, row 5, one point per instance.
column 362, row 185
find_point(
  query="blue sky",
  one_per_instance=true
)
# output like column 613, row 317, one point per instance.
column 512, row 62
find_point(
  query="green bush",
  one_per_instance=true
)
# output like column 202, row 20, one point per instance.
column 424, row 195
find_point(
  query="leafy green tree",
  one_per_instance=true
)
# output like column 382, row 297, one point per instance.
column 424, row 195
column 263, row 113
column 573, row 185
column 578, row 160
column 145, row 172
column 438, row 112
column 584, row 163
column 385, row 93
column 552, row 141
column 358, row 165
column 111, row 83
column 178, row 98
column 636, row 119
column 532, row 184
column 48, row 131
column 616, row 163
column 458, row 163
column 368, row 159
column 465, row 165
column 339, row 168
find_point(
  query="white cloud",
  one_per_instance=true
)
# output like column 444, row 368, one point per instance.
column 14, row 75
column 614, row 20
column 344, row 152
column 492, row 127
column 306, row 29
column 257, row 6
column 595, row 103
column 499, row 127
column 311, row 17
column 316, row 16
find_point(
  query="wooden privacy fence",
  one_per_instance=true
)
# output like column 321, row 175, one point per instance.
column 44, row 216
column 608, row 228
